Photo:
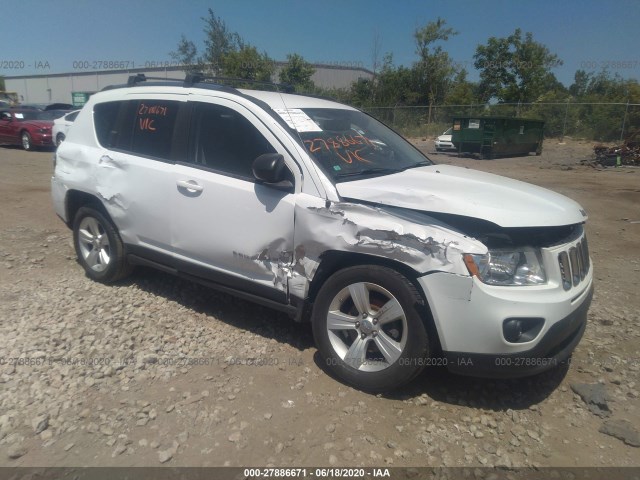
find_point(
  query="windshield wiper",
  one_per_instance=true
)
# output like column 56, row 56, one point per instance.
column 383, row 170
column 424, row 163
column 369, row 171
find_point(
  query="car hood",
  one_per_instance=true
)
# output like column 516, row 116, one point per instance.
column 462, row 191
column 444, row 138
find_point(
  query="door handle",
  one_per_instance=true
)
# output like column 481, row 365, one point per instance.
column 190, row 185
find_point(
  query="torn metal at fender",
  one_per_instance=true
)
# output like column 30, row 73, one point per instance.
column 411, row 238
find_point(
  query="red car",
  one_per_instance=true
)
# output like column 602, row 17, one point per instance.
column 29, row 128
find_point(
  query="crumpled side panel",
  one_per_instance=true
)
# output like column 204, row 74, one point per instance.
column 411, row 238
column 110, row 177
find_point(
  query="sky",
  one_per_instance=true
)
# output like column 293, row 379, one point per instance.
column 59, row 36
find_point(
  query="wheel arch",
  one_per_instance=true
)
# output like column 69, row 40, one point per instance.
column 76, row 199
column 334, row 260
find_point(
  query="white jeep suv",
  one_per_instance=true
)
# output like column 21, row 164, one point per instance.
column 315, row 208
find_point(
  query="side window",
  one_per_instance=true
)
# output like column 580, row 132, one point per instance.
column 144, row 127
column 72, row 117
column 225, row 141
column 153, row 128
column 111, row 126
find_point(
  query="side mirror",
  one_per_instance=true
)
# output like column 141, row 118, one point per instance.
column 271, row 169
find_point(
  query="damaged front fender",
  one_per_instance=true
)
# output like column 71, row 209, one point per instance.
column 413, row 239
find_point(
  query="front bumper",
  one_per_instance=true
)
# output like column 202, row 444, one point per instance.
column 552, row 350
column 444, row 145
column 470, row 318
column 42, row 139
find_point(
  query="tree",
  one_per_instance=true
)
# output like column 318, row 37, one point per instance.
column 515, row 69
column 248, row 63
column 395, row 86
column 2, row 86
column 462, row 91
column 434, row 67
column 219, row 42
column 598, row 118
column 225, row 53
column 580, row 83
column 187, row 54
column 297, row 73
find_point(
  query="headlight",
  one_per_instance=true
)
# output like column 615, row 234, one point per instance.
column 504, row 267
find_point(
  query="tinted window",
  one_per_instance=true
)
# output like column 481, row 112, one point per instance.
column 153, row 128
column 225, row 141
column 145, row 127
column 72, row 116
column 108, row 129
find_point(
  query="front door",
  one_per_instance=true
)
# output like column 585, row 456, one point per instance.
column 226, row 227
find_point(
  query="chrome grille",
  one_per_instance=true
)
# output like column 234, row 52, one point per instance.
column 574, row 264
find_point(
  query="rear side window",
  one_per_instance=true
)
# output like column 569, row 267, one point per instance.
column 143, row 127
column 111, row 127
column 153, row 128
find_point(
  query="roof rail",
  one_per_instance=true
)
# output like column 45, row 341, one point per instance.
column 141, row 77
column 198, row 77
column 193, row 78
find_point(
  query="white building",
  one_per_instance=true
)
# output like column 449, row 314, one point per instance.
column 59, row 87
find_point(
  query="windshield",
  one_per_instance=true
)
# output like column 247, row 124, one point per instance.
column 448, row 131
column 350, row 144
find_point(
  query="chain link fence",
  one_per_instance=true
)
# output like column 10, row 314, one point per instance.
column 602, row 122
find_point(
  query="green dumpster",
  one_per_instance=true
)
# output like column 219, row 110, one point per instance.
column 492, row 137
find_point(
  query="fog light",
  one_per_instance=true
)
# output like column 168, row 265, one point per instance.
column 521, row 330
column 512, row 330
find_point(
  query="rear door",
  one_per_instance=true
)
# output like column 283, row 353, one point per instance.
column 226, row 227
column 141, row 140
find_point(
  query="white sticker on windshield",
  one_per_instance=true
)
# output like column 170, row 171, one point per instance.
column 19, row 115
column 298, row 120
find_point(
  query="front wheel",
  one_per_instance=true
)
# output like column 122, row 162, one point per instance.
column 26, row 141
column 368, row 323
column 99, row 247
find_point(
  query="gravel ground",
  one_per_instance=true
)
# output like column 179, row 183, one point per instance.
column 159, row 371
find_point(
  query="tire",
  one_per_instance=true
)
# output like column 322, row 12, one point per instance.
column 360, row 344
column 25, row 138
column 59, row 139
column 99, row 247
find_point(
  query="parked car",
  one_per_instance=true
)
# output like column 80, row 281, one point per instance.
column 317, row 209
column 29, row 128
column 59, row 106
column 443, row 142
column 61, row 126
column 30, row 106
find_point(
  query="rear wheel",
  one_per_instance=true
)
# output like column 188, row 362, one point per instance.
column 369, row 328
column 26, row 141
column 99, row 247
column 59, row 139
